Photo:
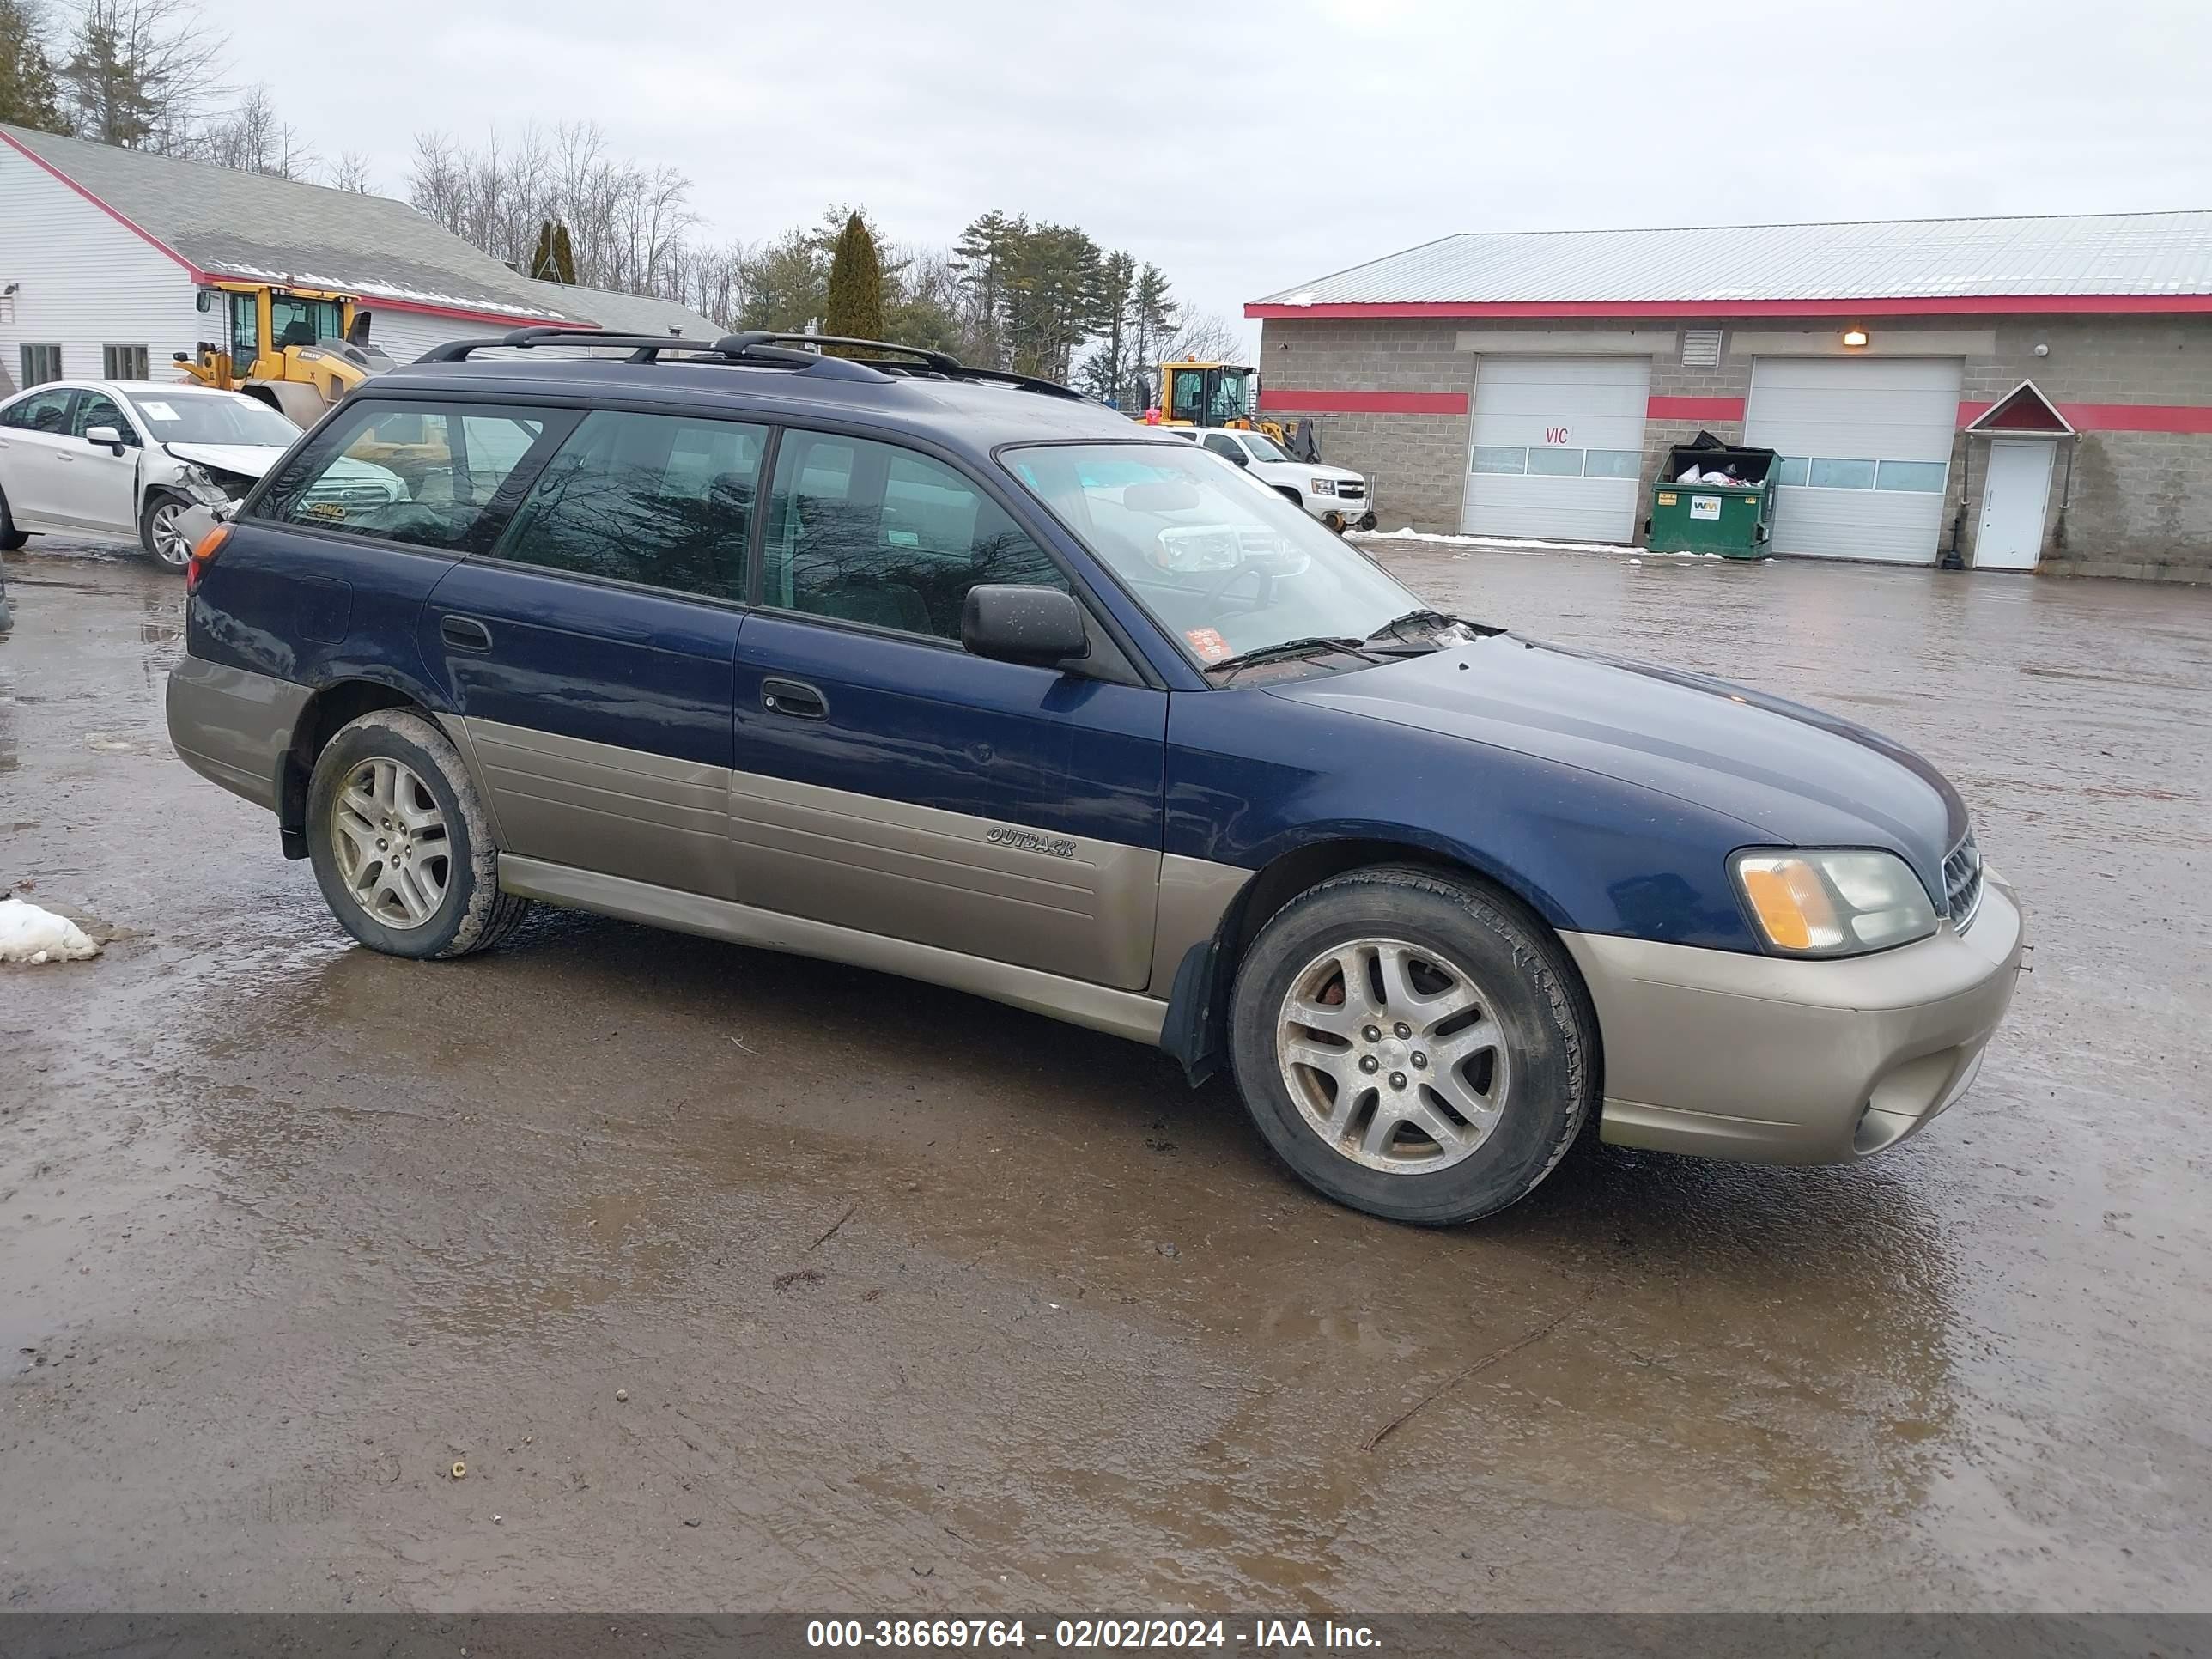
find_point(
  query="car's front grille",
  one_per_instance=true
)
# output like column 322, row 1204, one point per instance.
column 1962, row 882
column 348, row 495
column 1349, row 490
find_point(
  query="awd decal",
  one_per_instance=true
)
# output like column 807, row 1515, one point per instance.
column 1029, row 840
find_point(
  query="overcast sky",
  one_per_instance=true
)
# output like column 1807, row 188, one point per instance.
column 1247, row 146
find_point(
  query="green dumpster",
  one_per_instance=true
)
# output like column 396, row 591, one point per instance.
column 1734, row 517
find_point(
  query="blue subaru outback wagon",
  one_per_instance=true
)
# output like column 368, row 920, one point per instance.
column 955, row 675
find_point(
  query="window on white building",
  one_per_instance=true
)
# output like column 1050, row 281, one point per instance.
column 122, row 363
column 41, row 364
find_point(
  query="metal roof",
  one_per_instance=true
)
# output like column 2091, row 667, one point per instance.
column 2158, row 255
column 223, row 222
column 630, row 313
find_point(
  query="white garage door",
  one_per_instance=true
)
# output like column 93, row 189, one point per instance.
column 1867, row 451
column 1558, row 450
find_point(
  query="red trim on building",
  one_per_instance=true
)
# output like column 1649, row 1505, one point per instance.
column 1946, row 305
column 1292, row 402
column 2117, row 417
column 134, row 229
column 1694, row 409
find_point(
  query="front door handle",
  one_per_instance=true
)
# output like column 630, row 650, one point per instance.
column 464, row 633
column 796, row 698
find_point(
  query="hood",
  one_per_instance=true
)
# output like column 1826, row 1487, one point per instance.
column 252, row 460
column 1791, row 774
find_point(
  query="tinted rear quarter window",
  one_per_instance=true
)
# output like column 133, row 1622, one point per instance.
column 425, row 474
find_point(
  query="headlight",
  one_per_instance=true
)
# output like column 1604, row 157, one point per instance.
column 1324, row 486
column 1833, row 903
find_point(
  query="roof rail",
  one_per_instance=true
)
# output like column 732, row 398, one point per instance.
column 939, row 365
column 647, row 348
column 797, row 351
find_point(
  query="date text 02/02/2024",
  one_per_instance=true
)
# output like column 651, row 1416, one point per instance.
column 1294, row 1635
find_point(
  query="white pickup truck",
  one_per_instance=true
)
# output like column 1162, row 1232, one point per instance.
column 1339, row 499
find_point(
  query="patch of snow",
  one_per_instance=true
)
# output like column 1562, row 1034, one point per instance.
column 29, row 934
column 1409, row 534
column 1507, row 544
column 369, row 288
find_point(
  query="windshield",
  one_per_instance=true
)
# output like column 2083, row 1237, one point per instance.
column 1263, row 449
column 1224, row 568
column 201, row 418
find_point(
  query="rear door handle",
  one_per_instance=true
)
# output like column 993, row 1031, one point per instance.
column 796, row 698
column 464, row 633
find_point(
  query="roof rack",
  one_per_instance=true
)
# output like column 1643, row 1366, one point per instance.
column 936, row 365
column 801, row 352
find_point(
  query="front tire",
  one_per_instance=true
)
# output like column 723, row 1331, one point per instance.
column 400, row 844
column 1414, row 1045
column 158, row 532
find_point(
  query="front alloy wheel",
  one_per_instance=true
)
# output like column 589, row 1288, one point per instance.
column 1390, row 1053
column 1413, row 1043
column 164, row 539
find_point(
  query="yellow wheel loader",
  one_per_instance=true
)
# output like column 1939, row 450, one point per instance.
column 297, row 349
column 1194, row 393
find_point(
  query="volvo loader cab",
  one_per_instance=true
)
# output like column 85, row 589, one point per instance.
column 299, row 350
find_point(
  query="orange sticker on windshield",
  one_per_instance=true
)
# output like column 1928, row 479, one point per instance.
column 1207, row 642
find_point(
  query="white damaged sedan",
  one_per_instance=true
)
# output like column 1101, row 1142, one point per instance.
column 127, row 458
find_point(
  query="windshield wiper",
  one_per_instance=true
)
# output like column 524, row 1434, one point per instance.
column 1287, row 650
column 1433, row 620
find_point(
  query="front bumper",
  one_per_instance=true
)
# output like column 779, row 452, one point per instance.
column 1791, row 1062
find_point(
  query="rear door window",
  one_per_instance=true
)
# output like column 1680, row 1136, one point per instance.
column 430, row 474
column 43, row 411
column 660, row 500
column 874, row 533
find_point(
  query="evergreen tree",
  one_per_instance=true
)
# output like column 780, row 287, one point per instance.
column 29, row 94
column 113, row 103
column 980, row 258
column 855, row 302
column 554, row 260
column 1152, row 323
column 564, row 254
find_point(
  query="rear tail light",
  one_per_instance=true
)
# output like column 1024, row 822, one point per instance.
column 204, row 555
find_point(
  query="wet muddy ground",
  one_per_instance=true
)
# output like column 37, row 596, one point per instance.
column 920, row 1303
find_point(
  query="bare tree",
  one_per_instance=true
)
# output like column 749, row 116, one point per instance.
column 254, row 138
column 141, row 73
column 350, row 173
column 1204, row 338
column 626, row 223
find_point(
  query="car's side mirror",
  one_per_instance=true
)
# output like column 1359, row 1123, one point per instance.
column 1237, row 455
column 1040, row 626
column 104, row 437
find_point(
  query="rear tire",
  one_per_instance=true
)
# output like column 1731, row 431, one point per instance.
column 400, row 844
column 158, row 534
column 10, row 537
column 1446, row 1080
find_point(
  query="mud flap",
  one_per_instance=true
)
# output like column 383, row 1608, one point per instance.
column 1193, row 1031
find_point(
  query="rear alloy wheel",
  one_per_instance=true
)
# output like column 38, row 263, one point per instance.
column 1412, row 1044
column 160, row 534
column 401, row 847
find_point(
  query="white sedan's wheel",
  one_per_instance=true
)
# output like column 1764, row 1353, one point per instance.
column 162, row 534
